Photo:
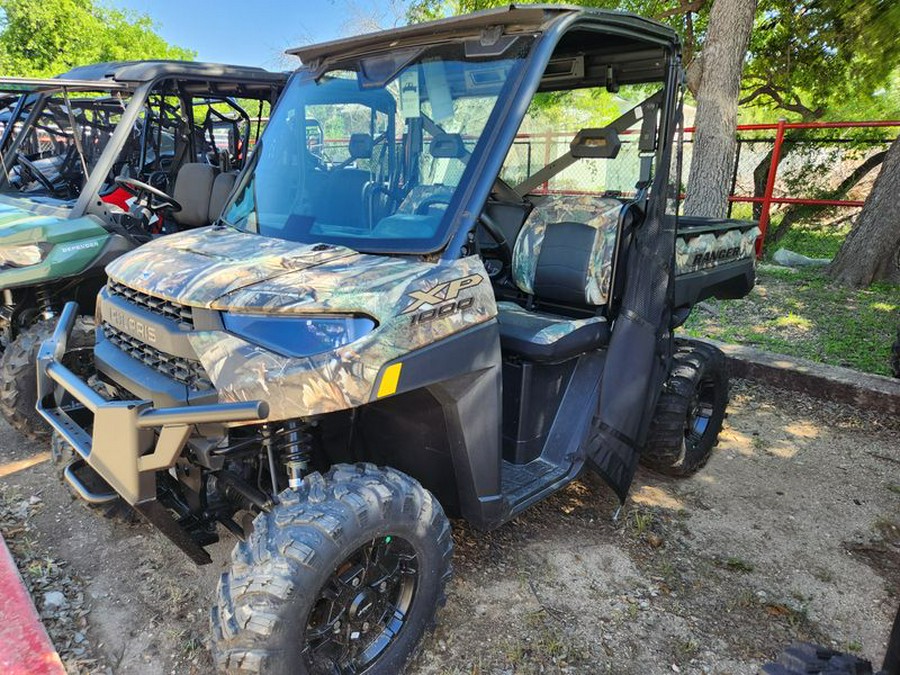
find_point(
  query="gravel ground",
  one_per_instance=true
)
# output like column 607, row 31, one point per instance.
column 791, row 532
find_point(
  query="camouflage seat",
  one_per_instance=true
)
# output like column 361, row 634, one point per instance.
column 538, row 336
column 583, row 222
column 564, row 254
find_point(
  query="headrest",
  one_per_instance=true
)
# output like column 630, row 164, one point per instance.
column 361, row 146
column 447, row 146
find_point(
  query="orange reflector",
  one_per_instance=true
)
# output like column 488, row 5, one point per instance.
column 389, row 380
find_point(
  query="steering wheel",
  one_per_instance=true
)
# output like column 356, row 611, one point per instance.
column 157, row 198
column 423, row 208
column 35, row 172
column 503, row 250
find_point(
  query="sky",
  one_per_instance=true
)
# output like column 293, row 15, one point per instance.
column 256, row 32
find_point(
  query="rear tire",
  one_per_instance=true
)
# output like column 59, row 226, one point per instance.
column 317, row 570
column 18, row 377
column 690, row 411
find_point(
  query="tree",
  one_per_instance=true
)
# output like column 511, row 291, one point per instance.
column 42, row 38
column 730, row 23
column 813, row 59
column 871, row 251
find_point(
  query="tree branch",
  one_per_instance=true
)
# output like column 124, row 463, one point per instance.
column 684, row 7
column 778, row 96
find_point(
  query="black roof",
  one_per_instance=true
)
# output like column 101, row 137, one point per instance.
column 138, row 72
column 522, row 18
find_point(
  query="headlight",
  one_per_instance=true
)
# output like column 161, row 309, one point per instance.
column 22, row 256
column 299, row 335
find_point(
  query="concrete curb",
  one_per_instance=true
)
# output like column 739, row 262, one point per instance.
column 25, row 647
column 831, row 383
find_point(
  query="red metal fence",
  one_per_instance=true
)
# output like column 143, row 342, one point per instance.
column 861, row 146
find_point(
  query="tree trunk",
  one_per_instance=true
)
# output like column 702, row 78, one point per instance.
column 724, row 52
column 871, row 251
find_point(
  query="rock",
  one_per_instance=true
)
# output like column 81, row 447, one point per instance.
column 789, row 258
column 54, row 600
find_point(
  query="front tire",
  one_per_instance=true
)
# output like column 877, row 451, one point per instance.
column 690, row 411
column 18, row 376
column 347, row 571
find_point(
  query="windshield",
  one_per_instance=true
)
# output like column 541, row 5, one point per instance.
column 56, row 141
column 370, row 156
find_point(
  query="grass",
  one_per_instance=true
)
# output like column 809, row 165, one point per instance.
column 813, row 241
column 801, row 313
column 641, row 521
column 739, row 565
column 854, row 646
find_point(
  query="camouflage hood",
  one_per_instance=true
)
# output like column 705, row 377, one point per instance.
column 200, row 266
column 225, row 269
column 414, row 303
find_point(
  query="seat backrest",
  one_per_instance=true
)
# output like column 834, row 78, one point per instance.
column 565, row 250
column 222, row 187
column 193, row 189
column 420, row 194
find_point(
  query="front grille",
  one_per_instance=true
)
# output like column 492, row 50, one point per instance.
column 181, row 314
column 188, row 372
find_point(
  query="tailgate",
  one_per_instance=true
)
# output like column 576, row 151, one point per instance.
column 714, row 257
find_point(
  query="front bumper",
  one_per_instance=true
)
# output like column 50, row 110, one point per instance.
column 125, row 442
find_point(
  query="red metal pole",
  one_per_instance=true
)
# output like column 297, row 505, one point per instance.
column 770, row 187
column 25, row 647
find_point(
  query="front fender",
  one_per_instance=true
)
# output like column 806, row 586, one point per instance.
column 77, row 245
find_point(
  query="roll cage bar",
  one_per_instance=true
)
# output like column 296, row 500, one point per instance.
column 486, row 162
column 182, row 79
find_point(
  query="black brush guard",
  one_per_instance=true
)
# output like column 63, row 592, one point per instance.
column 125, row 442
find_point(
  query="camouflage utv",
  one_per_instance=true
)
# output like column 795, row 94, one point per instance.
column 94, row 163
column 400, row 318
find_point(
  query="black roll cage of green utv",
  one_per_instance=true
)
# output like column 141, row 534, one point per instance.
column 605, row 410
column 137, row 79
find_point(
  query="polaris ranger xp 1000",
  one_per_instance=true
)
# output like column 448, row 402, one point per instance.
column 405, row 314
column 94, row 163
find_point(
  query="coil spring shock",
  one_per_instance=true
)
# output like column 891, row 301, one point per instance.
column 44, row 302
column 296, row 451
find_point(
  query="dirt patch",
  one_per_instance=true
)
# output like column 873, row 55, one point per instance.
column 786, row 534
column 59, row 595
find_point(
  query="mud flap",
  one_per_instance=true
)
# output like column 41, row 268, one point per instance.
column 612, row 447
column 640, row 348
